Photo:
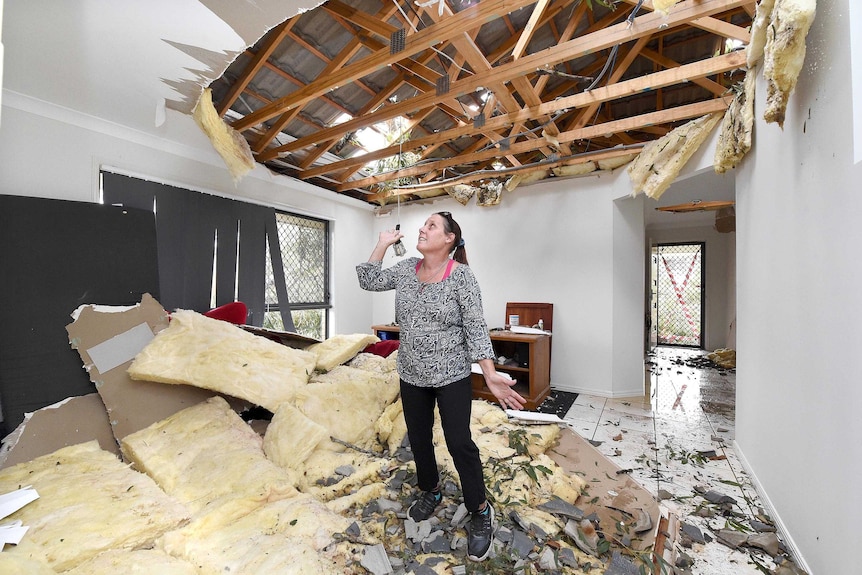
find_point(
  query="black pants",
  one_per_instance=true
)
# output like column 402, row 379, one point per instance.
column 455, row 402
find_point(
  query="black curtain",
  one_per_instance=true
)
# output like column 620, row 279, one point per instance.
column 187, row 223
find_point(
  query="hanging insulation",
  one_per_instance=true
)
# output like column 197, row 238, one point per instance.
column 734, row 139
column 784, row 53
column 229, row 143
column 762, row 18
column 660, row 161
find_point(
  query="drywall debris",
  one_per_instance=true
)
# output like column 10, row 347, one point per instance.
column 461, row 192
column 375, row 560
column 691, row 534
column 621, row 566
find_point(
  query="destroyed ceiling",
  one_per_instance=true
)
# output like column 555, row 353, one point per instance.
column 474, row 94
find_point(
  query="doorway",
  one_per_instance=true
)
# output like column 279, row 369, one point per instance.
column 677, row 295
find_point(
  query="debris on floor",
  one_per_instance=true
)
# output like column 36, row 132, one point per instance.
column 678, row 442
column 324, row 485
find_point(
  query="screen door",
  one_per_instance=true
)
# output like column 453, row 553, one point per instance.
column 677, row 294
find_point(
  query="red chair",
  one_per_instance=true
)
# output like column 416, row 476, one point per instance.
column 234, row 312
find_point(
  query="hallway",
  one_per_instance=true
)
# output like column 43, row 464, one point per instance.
column 676, row 441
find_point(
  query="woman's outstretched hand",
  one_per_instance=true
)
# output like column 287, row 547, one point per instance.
column 501, row 387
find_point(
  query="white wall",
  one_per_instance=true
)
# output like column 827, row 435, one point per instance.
column 799, row 380
column 556, row 242
column 51, row 152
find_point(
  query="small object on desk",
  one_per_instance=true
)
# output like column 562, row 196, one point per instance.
column 514, row 320
column 530, row 330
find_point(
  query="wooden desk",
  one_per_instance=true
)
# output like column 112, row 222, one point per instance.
column 529, row 363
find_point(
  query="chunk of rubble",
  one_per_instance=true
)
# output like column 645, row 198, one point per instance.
column 375, row 560
column 732, row 539
column 557, row 506
column 619, row 565
column 643, row 522
column 692, row 533
column 584, row 535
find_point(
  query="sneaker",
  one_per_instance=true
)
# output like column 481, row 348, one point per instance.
column 480, row 532
column 424, row 507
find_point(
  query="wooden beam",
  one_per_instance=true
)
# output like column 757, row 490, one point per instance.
column 359, row 18
column 470, row 178
column 450, row 27
column 619, row 90
column 257, row 62
column 662, row 117
column 600, row 40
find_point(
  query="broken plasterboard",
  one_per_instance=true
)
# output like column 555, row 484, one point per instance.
column 68, row 422
column 611, row 491
column 107, row 342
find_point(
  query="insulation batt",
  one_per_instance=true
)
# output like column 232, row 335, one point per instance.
column 205, row 454
column 229, row 143
column 109, row 506
column 134, row 562
column 291, row 437
column 289, row 536
column 734, row 138
column 347, row 401
column 339, row 349
column 762, row 18
column 461, row 192
column 660, row 161
column 216, row 355
column 784, row 53
column 664, row 6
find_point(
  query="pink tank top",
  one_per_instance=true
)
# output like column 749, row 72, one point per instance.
column 445, row 274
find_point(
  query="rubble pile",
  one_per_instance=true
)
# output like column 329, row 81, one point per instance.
column 324, row 486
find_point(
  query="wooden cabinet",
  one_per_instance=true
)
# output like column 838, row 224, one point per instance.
column 527, row 360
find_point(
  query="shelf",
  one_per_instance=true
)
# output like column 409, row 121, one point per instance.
column 503, row 367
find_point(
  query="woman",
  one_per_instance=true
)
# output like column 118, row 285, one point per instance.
column 438, row 307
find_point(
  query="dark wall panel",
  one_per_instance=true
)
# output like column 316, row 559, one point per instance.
column 56, row 255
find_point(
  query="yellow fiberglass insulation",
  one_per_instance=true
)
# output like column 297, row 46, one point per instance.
column 762, row 18
column 217, row 355
column 229, row 143
column 340, row 348
column 734, row 138
column 205, row 454
column 291, row 437
column 660, row 161
column 298, row 502
column 784, row 53
column 89, row 502
column 347, row 401
column 289, row 536
column 664, row 6
column 134, row 562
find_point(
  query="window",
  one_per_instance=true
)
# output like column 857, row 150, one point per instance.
column 304, row 245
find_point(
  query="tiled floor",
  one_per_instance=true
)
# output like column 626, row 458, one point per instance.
column 665, row 439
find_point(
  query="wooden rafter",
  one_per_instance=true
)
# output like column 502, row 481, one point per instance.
column 535, row 111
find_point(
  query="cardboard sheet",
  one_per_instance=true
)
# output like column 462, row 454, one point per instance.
column 68, row 422
column 108, row 335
